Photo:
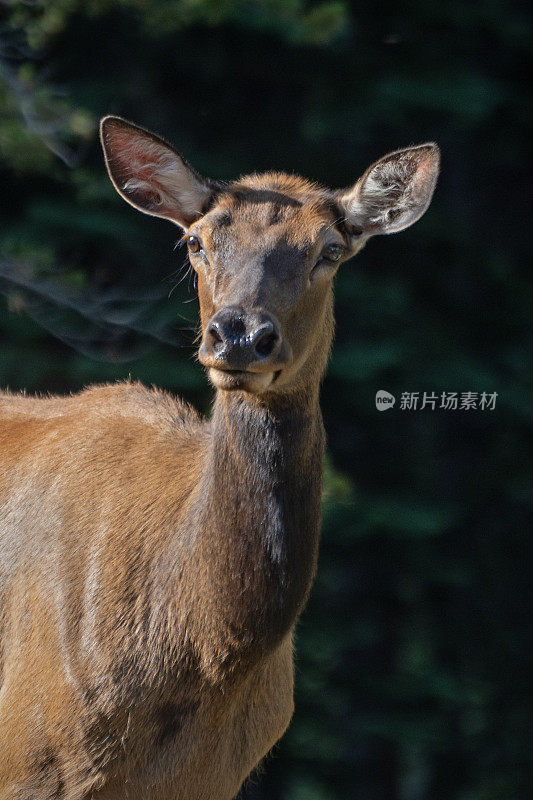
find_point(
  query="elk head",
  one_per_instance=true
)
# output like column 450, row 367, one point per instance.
column 266, row 248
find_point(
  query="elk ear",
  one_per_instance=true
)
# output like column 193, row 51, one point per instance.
column 394, row 192
column 150, row 175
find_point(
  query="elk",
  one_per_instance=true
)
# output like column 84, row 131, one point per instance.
column 154, row 564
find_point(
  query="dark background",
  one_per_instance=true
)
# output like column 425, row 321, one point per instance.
column 415, row 654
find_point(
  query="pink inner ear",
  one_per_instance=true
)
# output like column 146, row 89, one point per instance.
column 424, row 175
column 144, row 197
column 135, row 161
column 145, row 173
column 134, row 154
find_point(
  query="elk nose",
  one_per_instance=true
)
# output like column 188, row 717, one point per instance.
column 239, row 339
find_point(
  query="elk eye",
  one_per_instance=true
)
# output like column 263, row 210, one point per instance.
column 333, row 252
column 193, row 243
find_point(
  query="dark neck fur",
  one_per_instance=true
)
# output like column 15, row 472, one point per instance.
column 261, row 516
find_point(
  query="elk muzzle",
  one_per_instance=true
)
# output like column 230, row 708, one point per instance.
column 243, row 349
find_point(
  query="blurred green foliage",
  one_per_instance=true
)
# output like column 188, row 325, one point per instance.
column 415, row 655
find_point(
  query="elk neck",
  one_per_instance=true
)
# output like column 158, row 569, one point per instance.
column 259, row 525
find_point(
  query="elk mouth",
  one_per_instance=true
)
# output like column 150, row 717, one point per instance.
column 243, row 380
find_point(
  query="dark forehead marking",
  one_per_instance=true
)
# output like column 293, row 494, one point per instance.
column 331, row 205
column 341, row 222
column 223, row 220
column 257, row 196
column 276, row 212
column 334, row 208
column 277, row 201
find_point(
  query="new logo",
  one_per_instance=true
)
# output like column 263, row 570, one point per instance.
column 384, row 400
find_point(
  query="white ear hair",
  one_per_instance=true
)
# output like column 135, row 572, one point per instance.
column 150, row 175
column 394, row 192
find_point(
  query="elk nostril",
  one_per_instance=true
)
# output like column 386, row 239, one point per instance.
column 214, row 334
column 266, row 343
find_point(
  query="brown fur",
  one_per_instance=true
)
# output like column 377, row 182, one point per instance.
column 153, row 565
